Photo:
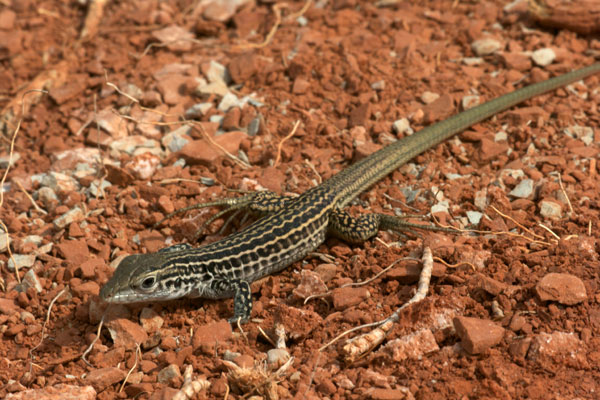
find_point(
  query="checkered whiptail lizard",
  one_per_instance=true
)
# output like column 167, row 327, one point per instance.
column 292, row 227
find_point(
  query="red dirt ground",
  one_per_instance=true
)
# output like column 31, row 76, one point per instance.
column 514, row 314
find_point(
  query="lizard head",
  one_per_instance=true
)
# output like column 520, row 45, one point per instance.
column 140, row 278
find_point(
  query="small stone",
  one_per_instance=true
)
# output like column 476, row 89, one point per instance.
column 412, row 346
column 550, row 209
column 31, row 280
column 205, row 89
column 490, row 285
column 277, row 357
column 8, row 307
column 348, row 297
column 300, row 86
column 131, row 144
column 523, row 190
column 243, row 67
column 583, row 133
column 378, row 85
column 543, row 57
column 563, row 288
column 168, row 374
column 474, row 217
column 402, row 126
column 326, row 271
column 102, row 378
column 310, row 285
column 175, row 38
column 477, row 335
column 59, row 182
column 207, row 336
column 519, row 347
column 517, row 61
column 89, row 288
column 20, row 261
column 389, row 394
column 143, row 166
column 360, row 115
column 151, row 321
column 174, row 88
column 177, row 139
column 550, row 349
column 126, row 333
column 59, row 391
column 165, row 204
column 5, row 160
column 198, row 110
column 201, row 152
column 4, row 241
column 112, row 123
column 217, row 72
column 74, row 251
column 228, row 101
column 7, row 19
column 429, row 97
column 487, row 46
column 470, row 101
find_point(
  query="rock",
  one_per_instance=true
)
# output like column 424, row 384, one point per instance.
column 402, row 126
column 412, row 346
column 89, row 288
column 177, row 139
column 550, row 209
column 243, row 67
column 470, row 101
column 477, row 335
column 487, row 46
column 277, row 357
column 112, row 123
column 388, row 394
column 207, row 336
column 8, row 307
column 523, row 190
column 135, row 144
column 74, row 251
column 563, row 288
column 59, row 182
column 168, row 374
column 143, row 166
column 60, row 391
column 583, row 133
column 4, row 242
column 126, row 333
column 310, row 285
column 490, row 285
column 175, row 38
column 517, row 61
column 174, row 88
column 348, row 297
column 151, row 321
column 360, row 115
column 549, row 349
column 217, row 72
column 102, row 378
column 326, row 271
column 20, row 261
column 31, row 280
column 543, row 57
column 73, row 215
column 428, row 97
column 202, row 152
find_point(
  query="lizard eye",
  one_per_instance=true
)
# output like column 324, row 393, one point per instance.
column 148, row 283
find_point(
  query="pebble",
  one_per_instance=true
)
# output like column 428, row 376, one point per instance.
column 207, row 336
column 326, row 271
column 217, row 72
column 523, row 190
column 429, row 97
column 31, row 280
column 310, row 284
column 130, row 144
column 4, row 160
column 583, row 133
column 177, row 139
column 168, row 374
column 205, row 89
column 59, row 391
column 102, row 378
column 198, row 110
column 487, row 46
column 4, row 241
column 126, row 333
column 389, row 394
column 221, row 10
column 550, row 209
column 348, row 297
column 477, row 335
column 150, row 320
column 20, row 261
column 550, row 349
column 564, row 288
column 543, row 57
column 402, row 126
column 59, row 182
column 490, row 285
column 47, row 196
column 143, row 166
column 112, row 123
column 228, row 101
column 277, row 357
column 470, row 101
column 175, row 38
column 412, row 346
column 474, row 217
column 201, row 152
